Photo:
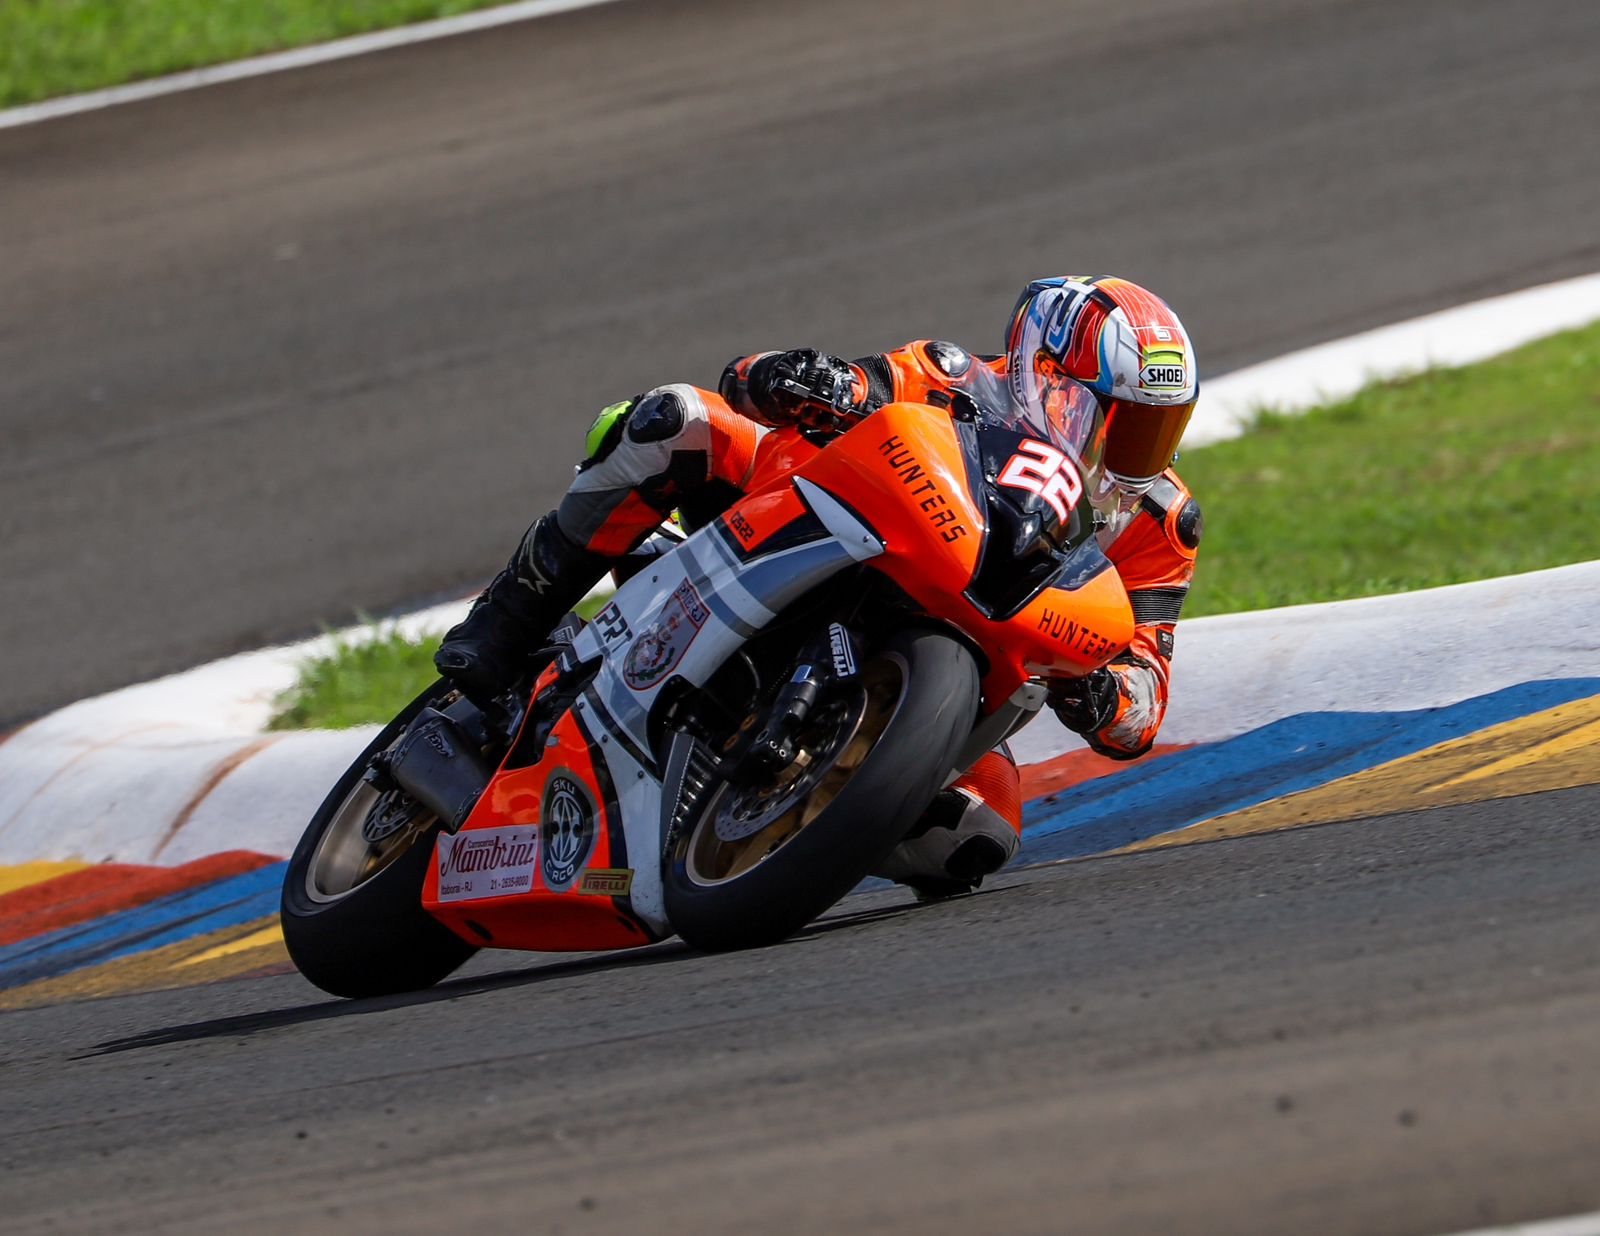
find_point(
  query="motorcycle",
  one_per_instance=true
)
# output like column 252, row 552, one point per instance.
column 751, row 724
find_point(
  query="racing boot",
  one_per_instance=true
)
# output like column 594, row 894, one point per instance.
column 486, row 652
column 972, row 829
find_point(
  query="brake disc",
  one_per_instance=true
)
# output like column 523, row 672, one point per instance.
column 745, row 812
column 392, row 812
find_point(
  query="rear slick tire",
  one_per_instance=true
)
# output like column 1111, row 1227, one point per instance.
column 834, row 850
column 374, row 938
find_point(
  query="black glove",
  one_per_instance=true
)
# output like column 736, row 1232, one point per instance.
column 1086, row 705
column 803, row 385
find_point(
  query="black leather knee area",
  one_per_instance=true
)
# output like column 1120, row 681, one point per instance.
column 656, row 417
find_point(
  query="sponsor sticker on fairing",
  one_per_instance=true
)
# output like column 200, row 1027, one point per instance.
column 606, row 882
column 613, row 627
column 844, row 658
column 487, row 862
column 661, row 645
column 566, row 831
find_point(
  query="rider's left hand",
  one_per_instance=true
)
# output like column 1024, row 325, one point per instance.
column 1086, row 705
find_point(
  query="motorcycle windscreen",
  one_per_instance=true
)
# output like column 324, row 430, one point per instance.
column 1047, row 405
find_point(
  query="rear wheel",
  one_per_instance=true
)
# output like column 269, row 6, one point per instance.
column 756, row 865
column 352, row 895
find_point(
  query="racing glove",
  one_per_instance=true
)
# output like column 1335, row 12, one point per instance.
column 804, row 385
column 1088, row 704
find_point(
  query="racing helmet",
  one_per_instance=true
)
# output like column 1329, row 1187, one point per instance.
column 1123, row 343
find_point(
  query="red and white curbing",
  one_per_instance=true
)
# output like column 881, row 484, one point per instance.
column 179, row 768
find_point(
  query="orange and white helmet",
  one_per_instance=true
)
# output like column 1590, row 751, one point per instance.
column 1122, row 342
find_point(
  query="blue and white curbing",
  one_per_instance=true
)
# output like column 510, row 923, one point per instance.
column 179, row 768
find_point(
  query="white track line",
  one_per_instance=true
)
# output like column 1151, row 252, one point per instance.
column 298, row 58
column 1572, row 1225
column 1332, row 371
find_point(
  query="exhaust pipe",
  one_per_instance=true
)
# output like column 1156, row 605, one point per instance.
column 440, row 766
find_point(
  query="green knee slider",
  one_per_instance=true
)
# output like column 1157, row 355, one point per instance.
column 606, row 431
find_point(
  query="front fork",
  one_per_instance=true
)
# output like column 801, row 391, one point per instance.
column 763, row 746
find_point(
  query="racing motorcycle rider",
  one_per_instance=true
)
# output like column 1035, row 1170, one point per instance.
column 682, row 448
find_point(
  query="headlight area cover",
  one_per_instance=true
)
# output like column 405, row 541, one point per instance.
column 1027, row 546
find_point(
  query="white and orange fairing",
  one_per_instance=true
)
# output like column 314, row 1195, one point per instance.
column 563, row 850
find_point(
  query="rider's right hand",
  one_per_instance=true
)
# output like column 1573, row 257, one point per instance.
column 803, row 385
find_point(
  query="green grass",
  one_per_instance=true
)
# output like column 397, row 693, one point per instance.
column 51, row 47
column 1450, row 476
column 360, row 682
column 364, row 680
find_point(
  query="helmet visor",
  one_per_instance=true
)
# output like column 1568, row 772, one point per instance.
column 1141, row 438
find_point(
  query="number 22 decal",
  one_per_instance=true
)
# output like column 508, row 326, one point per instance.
column 1045, row 471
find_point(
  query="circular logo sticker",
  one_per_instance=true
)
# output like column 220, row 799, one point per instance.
column 566, row 831
column 662, row 645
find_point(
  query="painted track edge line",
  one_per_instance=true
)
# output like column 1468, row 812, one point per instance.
column 1449, row 338
column 283, row 61
column 1570, row 1225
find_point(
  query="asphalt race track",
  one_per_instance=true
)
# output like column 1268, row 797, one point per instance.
column 1383, row 1026
column 279, row 351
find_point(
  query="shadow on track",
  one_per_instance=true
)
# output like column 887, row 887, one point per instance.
column 451, row 989
column 664, row 953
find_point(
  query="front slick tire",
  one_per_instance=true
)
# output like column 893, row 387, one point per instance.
column 352, row 910
column 729, row 887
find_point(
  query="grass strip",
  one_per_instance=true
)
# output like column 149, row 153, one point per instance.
column 1449, row 476
column 365, row 679
column 53, row 47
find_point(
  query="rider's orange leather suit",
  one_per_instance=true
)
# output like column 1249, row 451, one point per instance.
column 713, row 445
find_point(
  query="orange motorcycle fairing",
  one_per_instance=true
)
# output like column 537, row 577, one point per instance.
column 542, row 862
column 904, row 472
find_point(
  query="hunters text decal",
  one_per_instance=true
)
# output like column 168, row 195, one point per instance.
column 663, row 643
column 933, row 503
column 487, row 862
column 566, row 831
column 1074, row 634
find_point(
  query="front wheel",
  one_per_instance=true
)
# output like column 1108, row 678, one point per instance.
column 752, row 866
column 352, row 894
